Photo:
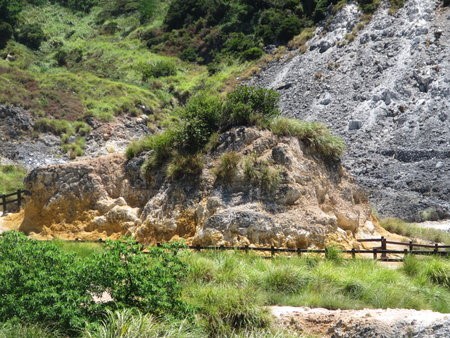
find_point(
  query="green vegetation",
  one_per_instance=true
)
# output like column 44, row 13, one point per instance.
column 313, row 134
column 228, row 166
column 160, row 293
column 261, row 174
column 42, row 284
column 11, row 178
column 194, row 127
column 403, row 228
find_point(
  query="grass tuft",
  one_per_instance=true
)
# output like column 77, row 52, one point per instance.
column 313, row 134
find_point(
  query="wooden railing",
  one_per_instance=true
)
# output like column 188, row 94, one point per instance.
column 13, row 198
column 377, row 253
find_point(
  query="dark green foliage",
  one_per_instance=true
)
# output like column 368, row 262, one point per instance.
column 6, row 32
column 31, row 35
column 368, row 6
column 77, row 5
column 249, row 105
column 9, row 10
column 40, row 283
column 213, row 28
column 158, row 69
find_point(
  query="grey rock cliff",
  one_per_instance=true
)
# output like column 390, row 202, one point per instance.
column 388, row 94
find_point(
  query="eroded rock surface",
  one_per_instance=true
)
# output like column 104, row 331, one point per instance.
column 387, row 93
column 311, row 203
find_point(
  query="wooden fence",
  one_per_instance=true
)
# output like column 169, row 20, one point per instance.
column 377, row 253
column 14, row 198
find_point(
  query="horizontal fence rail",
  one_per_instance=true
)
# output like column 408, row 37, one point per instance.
column 13, row 198
column 377, row 253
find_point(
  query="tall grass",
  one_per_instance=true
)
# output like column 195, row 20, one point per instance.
column 11, row 178
column 403, row 228
column 309, row 281
column 313, row 134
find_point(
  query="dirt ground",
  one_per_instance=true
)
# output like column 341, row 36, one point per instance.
column 385, row 323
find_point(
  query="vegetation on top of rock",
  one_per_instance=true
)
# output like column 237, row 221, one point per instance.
column 194, row 125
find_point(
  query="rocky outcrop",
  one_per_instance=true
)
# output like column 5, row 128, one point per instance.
column 278, row 194
column 385, row 88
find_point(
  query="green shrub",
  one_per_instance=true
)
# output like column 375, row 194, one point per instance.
column 198, row 121
column 158, row 69
column 253, row 53
column 228, row 166
column 313, row 134
column 39, row 283
column 31, row 35
column 6, row 32
column 9, row 10
column 246, row 106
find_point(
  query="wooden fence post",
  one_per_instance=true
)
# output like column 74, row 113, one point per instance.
column 299, row 252
column 246, row 249
column 375, row 251
column 411, row 246
column 272, row 250
column 353, row 253
column 436, row 248
column 383, row 248
column 4, row 204
column 19, row 198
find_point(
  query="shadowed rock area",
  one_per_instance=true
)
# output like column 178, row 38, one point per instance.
column 309, row 201
column 386, row 90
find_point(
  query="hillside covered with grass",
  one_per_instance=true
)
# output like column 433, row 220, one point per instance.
column 68, row 60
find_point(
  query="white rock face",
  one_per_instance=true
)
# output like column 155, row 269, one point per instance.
column 387, row 93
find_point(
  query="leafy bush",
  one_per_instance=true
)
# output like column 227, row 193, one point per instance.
column 9, row 10
column 31, row 35
column 253, row 53
column 198, row 120
column 39, row 283
column 158, row 69
column 246, row 106
column 6, row 32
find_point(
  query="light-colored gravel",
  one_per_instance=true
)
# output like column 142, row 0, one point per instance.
column 385, row 323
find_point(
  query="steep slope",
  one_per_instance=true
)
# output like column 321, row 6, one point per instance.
column 386, row 91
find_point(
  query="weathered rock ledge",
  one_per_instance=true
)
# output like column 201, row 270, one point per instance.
column 315, row 202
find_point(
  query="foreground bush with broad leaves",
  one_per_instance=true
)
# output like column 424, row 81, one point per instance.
column 40, row 283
